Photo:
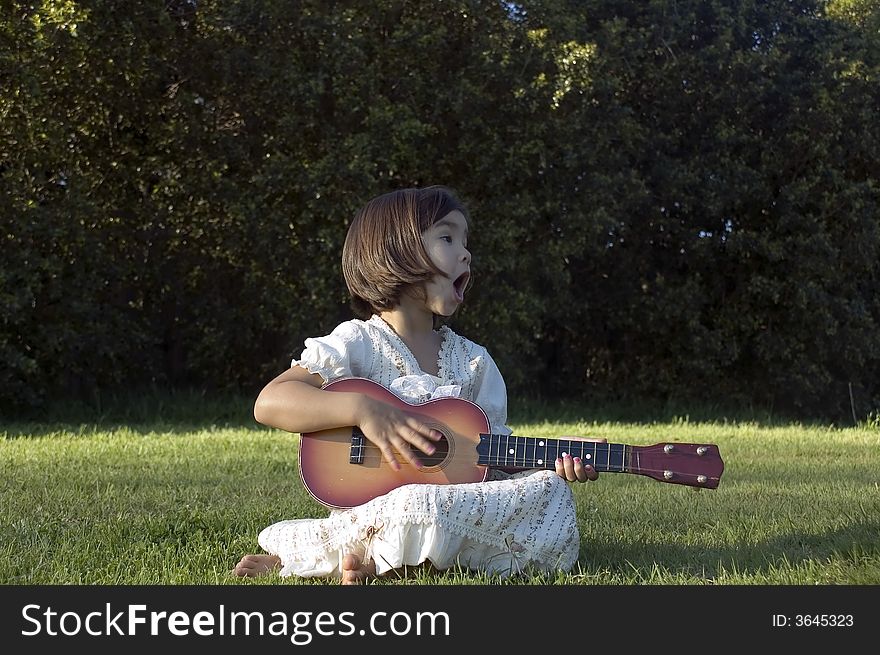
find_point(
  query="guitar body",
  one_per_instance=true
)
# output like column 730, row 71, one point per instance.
column 341, row 468
column 325, row 457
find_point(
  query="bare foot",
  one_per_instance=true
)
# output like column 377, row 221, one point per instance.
column 354, row 571
column 253, row 566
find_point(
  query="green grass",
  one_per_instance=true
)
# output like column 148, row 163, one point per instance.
column 128, row 500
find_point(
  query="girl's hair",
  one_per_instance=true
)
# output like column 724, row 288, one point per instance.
column 383, row 252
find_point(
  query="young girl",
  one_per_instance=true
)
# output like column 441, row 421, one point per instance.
column 406, row 262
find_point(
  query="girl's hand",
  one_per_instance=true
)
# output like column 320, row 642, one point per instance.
column 392, row 429
column 572, row 468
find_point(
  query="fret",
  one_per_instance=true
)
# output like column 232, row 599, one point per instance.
column 582, row 452
column 564, row 446
column 598, row 455
column 615, row 457
column 538, row 453
column 558, row 447
column 513, row 451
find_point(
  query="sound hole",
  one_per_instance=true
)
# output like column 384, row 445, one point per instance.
column 439, row 456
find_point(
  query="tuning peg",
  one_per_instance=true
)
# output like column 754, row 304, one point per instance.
column 701, row 479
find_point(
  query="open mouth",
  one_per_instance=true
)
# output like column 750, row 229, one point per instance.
column 460, row 284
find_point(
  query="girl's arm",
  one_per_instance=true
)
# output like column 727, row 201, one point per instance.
column 294, row 401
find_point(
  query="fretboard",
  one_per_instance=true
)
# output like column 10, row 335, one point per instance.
column 509, row 451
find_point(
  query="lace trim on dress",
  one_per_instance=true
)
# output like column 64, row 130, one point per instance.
column 443, row 355
column 444, row 332
column 421, row 388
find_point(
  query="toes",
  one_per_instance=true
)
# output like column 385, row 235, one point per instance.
column 242, row 571
column 352, row 572
column 351, row 563
column 355, row 571
column 252, row 566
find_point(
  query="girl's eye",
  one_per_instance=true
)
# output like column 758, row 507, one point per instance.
column 447, row 238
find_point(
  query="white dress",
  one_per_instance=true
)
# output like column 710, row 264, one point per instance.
column 502, row 526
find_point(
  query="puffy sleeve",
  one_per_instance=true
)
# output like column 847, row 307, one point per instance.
column 342, row 353
column 491, row 395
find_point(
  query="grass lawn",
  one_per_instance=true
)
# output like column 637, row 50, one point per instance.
column 176, row 494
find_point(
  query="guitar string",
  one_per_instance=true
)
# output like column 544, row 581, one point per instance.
column 371, row 459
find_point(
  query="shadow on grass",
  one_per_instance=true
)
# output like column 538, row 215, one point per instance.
column 159, row 409
column 197, row 409
column 649, row 412
column 151, row 411
column 757, row 559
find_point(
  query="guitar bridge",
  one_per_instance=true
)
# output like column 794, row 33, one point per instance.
column 356, row 453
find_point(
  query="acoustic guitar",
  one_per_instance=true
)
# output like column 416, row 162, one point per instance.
column 341, row 468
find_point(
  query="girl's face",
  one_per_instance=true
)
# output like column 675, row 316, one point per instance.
column 446, row 244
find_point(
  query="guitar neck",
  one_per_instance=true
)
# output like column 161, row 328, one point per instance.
column 509, row 451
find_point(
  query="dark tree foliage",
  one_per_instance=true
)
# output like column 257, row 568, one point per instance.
column 670, row 199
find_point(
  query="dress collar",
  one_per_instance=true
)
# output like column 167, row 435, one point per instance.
column 445, row 333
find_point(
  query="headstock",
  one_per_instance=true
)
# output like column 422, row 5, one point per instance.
column 694, row 465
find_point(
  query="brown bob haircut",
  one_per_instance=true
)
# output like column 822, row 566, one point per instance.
column 383, row 252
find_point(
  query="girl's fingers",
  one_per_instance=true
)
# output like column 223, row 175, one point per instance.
column 388, row 455
column 400, row 436
column 573, row 469
column 423, row 432
column 404, row 448
column 566, row 465
column 592, row 473
column 560, row 470
column 422, row 437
